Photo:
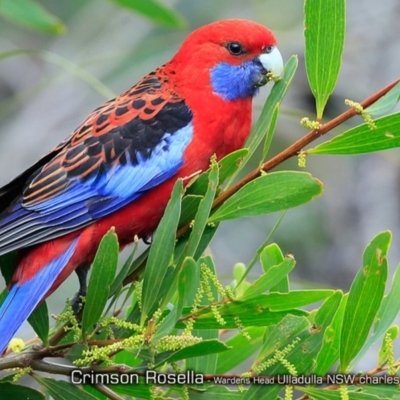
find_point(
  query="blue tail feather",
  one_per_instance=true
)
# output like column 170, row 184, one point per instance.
column 22, row 300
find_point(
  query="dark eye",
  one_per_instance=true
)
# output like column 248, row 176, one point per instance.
column 235, row 48
column 269, row 49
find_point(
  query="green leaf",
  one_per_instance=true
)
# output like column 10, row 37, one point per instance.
column 365, row 298
column 240, row 349
column 227, row 167
column 386, row 315
column 39, row 321
column 319, row 394
column 329, row 352
column 161, row 251
column 257, row 392
column 76, row 352
column 61, row 390
column 94, row 392
column 324, row 32
column 31, row 15
column 11, row 391
column 231, row 163
column 280, row 336
column 101, row 278
column 263, row 123
column 140, row 390
column 189, row 280
column 386, row 103
column 363, row 139
column 261, row 310
column 203, row 212
column 200, row 349
column 124, row 271
column 190, row 205
column 272, row 256
column 156, row 11
column 216, row 392
column 8, row 264
column 304, row 344
column 270, row 132
column 272, row 277
column 269, row 193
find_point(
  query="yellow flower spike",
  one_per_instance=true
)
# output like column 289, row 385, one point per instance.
column 16, row 345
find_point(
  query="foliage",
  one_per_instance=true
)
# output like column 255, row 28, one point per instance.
column 167, row 311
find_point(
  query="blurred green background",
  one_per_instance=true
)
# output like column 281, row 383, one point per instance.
column 42, row 102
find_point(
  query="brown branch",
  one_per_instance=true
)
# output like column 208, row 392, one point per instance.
column 289, row 152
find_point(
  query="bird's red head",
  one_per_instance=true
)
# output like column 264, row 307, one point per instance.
column 231, row 57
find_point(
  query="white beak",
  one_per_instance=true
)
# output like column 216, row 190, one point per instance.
column 272, row 62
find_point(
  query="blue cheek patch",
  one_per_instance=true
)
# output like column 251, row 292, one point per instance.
column 233, row 82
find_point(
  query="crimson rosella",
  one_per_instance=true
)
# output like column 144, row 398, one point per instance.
column 118, row 168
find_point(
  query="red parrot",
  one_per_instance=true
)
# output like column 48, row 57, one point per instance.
column 118, row 168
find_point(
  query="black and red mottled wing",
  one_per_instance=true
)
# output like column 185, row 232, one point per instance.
column 123, row 148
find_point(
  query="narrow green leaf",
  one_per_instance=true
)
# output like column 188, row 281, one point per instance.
column 305, row 344
column 29, row 14
column 329, row 352
column 324, row 32
column 280, row 336
column 269, row 193
column 61, row 390
column 156, row 11
column 203, row 212
column 240, row 350
column 270, row 132
column 231, row 163
column 39, row 321
column 227, row 167
column 190, row 205
column 272, row 255
column 385, row 316
column 92, row 391
column 257, row 392
column 363, row 139
column 306, row 351
column 382, row 391
column 261, row 310
column 189, row 280
column 275, row 97
column 76, row 352
column 140, row 390
column 161, row 251
column 11, row 391
column 200, row 349
column 319, row 394
column 124, row 271
column 8, row 264
column 386, row 103
column 365, row 298
column 269, row 279
column 101, row 278
column 216, row 392
column 251, row 315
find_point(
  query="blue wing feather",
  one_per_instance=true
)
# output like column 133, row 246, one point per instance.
column 137, row 146
column 83, row 202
